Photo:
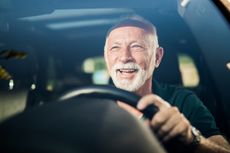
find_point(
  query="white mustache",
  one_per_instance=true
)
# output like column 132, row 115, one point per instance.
column 130, row 65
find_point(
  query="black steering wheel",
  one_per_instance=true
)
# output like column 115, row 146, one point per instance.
column 85, row 121
column 112, row 93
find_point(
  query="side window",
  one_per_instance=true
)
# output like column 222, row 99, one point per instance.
column 189, row 73
column 16, row 79
column 96, row 66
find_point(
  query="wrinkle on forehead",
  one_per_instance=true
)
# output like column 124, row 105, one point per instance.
column 129, row 34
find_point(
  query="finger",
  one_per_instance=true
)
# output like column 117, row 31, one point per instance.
column 173, row 133
column 171, row 122
column 152, row 99
column 181, row 129
column 157, row 121
column 171, row 117
column 162, row 117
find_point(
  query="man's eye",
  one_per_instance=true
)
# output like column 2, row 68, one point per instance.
column 137, row 47
column 114, row 48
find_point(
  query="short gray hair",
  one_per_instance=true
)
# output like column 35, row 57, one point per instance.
column 136, row 21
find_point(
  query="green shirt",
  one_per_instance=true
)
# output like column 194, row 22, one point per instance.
column 190, row 105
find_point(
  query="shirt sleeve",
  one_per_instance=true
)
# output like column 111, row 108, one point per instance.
column 199, row 116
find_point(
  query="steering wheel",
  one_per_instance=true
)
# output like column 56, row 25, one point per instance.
column 80, row 124
column 112, row 93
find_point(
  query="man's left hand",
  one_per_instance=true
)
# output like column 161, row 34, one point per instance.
column 168, row 122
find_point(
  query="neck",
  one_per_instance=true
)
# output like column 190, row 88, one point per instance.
column 146, row 88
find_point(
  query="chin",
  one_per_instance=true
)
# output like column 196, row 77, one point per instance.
column 129, row 85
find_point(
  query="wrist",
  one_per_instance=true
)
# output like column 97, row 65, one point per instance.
column 196, row 137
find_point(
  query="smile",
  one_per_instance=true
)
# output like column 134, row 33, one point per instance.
column 127, row 70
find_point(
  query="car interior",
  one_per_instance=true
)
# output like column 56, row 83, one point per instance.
column 50, row 48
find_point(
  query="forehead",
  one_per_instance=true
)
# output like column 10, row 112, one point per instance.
column 127, row 32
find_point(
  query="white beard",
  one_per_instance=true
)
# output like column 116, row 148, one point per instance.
column 126, row 84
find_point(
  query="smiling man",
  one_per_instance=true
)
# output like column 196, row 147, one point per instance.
column 132, row 53
column 130, row 56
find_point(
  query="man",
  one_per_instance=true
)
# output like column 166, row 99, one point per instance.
column 132, row 53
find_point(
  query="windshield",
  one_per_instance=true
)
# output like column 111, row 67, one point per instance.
column 50, row 47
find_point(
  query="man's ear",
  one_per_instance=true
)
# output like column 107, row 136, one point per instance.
column 159, row 56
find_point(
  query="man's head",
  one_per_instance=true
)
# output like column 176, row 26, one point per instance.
column 132, row 53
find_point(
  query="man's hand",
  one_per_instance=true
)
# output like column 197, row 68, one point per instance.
column 168, row 122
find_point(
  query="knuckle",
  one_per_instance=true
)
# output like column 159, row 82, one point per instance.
column 175, row 109
column 154, row 96
column 157, row 119
column 164, row 129
column 185, row 123
column 182, row 117
column 150, row 96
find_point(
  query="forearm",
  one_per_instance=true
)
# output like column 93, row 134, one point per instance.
column 216, row 144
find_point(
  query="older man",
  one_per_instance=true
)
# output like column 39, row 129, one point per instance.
column 132, row 53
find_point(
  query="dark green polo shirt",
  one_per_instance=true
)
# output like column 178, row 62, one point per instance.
column 190, row 105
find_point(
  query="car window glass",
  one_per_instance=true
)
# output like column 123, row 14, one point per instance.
column 189, row 72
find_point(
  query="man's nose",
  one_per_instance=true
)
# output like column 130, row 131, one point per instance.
column 126, row 56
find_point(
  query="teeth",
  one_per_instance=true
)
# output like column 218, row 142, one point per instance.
column 127, row 70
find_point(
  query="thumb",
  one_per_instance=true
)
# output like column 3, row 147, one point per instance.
column 152, row 99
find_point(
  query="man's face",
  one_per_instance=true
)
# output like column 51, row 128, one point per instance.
column 130, row 57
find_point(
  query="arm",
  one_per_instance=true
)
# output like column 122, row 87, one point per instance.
column 169, row 123
column 213, row 144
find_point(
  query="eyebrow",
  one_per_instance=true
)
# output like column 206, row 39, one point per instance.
column 132, row 42
column 139, row 42
column 115, row 43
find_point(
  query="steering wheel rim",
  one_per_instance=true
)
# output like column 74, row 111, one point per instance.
column 109, row 92
column 77, row 125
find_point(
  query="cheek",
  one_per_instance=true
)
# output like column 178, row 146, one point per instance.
column 143, row 61
column 110, row 61
column 152, row 65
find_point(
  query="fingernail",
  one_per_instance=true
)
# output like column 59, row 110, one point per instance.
column 140, row 106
